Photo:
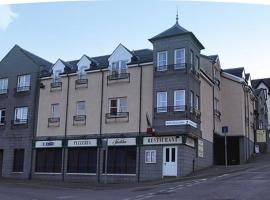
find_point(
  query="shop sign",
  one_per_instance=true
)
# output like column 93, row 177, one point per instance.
column 190, row 142
column 162, row 140
column 180, row 123
column 200, row 148
column 121, row 141
column 49, row 144
column 82, row 143
column 260, row 136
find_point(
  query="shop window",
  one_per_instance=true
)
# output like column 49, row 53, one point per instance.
column 121, row 160
column 49, row 160
column 82, row 160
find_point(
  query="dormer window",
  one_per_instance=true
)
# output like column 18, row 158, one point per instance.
column 82, row 72
column 56, row 76
column 119, row 67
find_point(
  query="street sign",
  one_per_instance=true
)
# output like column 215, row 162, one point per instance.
column 225, row 129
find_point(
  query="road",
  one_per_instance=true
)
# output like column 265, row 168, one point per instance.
column 253, row 182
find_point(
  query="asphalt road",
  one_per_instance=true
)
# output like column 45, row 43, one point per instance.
column 252, row 182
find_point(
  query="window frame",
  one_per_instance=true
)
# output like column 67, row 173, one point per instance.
column 162, row 67
column 163, row 108
column 152, row 155
column 175, row 58
column 23, row 87
column 77, row 108
column 3, row 90
column 119, row 108
column 53, row 110
column 3, row 117
column 197, row 102
column 180, row 100
column 192, row 58
column 22, row 120
column 191, row 100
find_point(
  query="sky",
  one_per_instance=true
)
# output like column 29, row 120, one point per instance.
column 237, row 32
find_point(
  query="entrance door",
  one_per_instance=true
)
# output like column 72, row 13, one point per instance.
column 1, row 162
column 170, row 161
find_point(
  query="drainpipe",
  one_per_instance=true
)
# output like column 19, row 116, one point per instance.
column 65, row 137
column 140, row 123
column 100, row 124
column 213, row 104
column 33, row 136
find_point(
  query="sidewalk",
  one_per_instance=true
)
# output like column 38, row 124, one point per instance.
column 205, row 173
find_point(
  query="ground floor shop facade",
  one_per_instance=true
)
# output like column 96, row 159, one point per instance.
column 120, row 159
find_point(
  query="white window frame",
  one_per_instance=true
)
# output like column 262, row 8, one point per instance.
column 159, row 66
column 191, row 58
column 197, row 63
column 56, row 76
column 21, row 115
column 54, row 112
column 78, row 111
column 119, row 67
column 23, row 82
column 150, row 156
column 119, row 107
column 191, row 100
column 197, row 102
column 181, row 64
column 3, row 85
column 159, row 103
column 82, row 72
column 182, row 102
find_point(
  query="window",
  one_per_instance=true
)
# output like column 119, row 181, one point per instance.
column 216, row 104
column 80, row 108
column 179, row 100
column 23, row 83
column 197, row 63
column 191, row 58
column 49, row 160
column 150, row 156
column 3, row 85
column 118, row 105
column 2, row 116
column 179, row 58
column 82, row 160
column 56, row 75
column 121, row 160
column 82, row 72
column 191, row 101
column 162, row 102
column 18, row 160
column 21, row 115
column 197, row 100
column 55, row 110
column 162, row 61
column 119, row 67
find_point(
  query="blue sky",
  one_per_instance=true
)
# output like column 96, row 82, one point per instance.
column 238, row 33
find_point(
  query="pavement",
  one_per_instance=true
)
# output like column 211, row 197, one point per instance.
column 242, row 182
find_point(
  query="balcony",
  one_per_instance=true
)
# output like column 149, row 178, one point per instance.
column 117, row 117
column 19, row 124
column 56, row 86
column 118, row 77
column 22, row 90
column 79, row 120
column 184, row 68
column 3, row 93
column 81, row 83
column 2, row 125
column 177, row 112
column 54, row 122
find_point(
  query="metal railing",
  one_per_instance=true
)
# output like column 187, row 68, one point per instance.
column 19, row 123
column 81, row 82
column 56, row 85
column 118, row 76
column 22, row 89
column 79, row 120
column 3, row 91
column 54, row 122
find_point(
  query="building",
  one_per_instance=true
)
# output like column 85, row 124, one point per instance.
column 237, row 107
column 128, row 116
column 19, row 76
column 261, row 113
column 132, row 115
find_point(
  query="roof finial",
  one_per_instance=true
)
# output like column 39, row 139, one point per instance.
column 176, row 15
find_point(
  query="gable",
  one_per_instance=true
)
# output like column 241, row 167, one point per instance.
column 120, row 53
column 59, row 65
column 84, row 61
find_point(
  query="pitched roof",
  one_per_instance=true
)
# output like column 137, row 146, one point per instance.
column 256, row 82
column 235, row 71
column 175, row 30
column 44, row 64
